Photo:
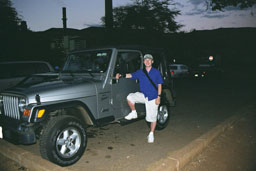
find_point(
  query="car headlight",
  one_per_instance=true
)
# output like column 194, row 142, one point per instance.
column 22, row 104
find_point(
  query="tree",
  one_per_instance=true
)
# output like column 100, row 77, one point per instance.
column 220, row 4
column 149, row 15
column 8, row 17
column 8, row 28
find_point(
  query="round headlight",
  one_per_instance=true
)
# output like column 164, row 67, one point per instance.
column 22, row 104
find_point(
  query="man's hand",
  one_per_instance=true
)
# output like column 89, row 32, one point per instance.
column 126, row 76
column 158, row 100
column 118, row 76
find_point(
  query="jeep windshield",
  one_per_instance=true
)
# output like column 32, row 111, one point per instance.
column 94, row 61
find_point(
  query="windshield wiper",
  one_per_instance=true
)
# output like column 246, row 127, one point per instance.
column 79, row 71
column 68, row 71
column 88, row 71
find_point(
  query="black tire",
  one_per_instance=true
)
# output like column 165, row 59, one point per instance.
column 63, row 140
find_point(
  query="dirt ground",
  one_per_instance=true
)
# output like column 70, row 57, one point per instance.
column 233, row 150
column 10, row 165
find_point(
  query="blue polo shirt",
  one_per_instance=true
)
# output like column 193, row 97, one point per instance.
column 146, row 86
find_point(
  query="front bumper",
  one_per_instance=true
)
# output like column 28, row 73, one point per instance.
column 17, row 132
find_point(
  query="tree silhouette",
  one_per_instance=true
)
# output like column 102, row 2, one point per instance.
column 8, row 17
column 8, row 28
column 149, row 15
column 220, row 4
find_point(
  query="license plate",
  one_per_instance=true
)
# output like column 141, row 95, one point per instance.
column 1, row 132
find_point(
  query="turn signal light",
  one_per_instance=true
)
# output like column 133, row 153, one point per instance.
column 27, row 112
column 40, row 113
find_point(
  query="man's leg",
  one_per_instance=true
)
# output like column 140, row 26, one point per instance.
column 151, row 109
column 131, row 105
column 133, row 98
column 152, row 126
column 151, row 133
column 133, row 113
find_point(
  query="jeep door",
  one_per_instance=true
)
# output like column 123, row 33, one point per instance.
column 126, row 62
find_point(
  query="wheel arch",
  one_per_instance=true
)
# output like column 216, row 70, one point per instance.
column 72, row 108
column 168, row 98
column 54, row 131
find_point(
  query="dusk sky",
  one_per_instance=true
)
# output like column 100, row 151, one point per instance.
column 44, row 14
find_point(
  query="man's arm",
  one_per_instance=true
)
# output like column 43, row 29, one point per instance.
column 159, row 89
column 158, row 100
column 126, row 76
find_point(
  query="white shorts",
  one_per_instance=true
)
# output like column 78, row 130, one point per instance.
column 151, row 106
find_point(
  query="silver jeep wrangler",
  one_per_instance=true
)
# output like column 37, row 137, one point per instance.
column 57, row 108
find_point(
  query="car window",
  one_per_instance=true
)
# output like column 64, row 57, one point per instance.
column 174, row 67
column 13, row 70
column 32, row 68
column 88, row 61
column 41, row 68
column 127, row 62
column 22, row 69
column 184, row 67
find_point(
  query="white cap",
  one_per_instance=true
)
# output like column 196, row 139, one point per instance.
column 148, row 56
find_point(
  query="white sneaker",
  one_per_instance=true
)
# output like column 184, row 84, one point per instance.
column 132, row 115
column 151, row 137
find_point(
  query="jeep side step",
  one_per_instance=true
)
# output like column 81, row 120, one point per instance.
column 123, row 121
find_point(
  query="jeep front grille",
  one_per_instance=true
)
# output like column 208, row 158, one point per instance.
column 11, row 107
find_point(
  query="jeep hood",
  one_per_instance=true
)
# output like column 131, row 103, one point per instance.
column 54, row 88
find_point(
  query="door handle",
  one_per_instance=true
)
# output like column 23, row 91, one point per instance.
column 103, row 96
column 114, row 80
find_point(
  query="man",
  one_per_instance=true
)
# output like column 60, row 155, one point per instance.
column 149, row 94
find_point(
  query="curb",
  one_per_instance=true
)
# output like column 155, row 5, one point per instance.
column 27, row 159
column 178, row 159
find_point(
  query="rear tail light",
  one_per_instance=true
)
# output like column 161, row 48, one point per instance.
column 172, row 73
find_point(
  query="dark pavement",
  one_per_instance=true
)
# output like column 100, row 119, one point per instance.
column 233, row 150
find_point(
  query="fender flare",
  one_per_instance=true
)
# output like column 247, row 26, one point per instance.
column 52, row 107
column 168, row 98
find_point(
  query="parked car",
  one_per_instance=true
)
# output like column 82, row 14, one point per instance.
column 178, row 70
column 11, row 73
column 57, row 108
column 206, row 71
